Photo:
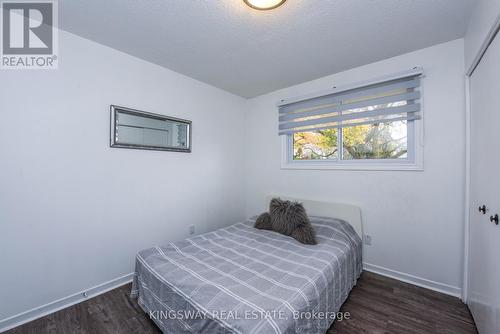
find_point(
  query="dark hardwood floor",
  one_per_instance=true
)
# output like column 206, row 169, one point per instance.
column 382, row 305
column 376, row 305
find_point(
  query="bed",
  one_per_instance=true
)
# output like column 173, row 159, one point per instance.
column 240, row 279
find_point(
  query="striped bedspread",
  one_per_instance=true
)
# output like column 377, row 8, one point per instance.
column 240, row 279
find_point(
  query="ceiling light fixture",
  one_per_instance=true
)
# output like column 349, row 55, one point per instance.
column 264, row 4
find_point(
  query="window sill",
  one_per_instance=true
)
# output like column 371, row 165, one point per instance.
column 366, row 166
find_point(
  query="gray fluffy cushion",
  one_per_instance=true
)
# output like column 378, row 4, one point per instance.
column 263, row 222
column 288, row 218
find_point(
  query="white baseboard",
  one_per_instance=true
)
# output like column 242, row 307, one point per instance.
column 38, row 312
column 418, row 281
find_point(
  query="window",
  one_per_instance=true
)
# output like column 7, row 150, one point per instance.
column 362, row 142
column 374, row 126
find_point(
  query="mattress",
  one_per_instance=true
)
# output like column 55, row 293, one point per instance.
column 240, row 279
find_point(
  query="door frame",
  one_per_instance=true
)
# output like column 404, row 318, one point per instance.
column 495, row 29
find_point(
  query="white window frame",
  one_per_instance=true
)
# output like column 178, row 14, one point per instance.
column 415, row 147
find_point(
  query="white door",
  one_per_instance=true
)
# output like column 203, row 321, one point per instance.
column 484, row 265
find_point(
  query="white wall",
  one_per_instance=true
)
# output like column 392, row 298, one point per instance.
column 73, row 211
column 482, row 19
column 415, row 218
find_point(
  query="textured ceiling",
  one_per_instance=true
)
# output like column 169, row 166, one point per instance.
column 248, row 52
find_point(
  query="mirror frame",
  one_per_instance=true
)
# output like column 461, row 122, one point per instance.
column 113, row 143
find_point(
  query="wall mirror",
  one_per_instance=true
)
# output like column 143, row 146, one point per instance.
column 137, row 129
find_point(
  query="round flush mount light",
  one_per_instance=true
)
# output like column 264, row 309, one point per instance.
column 264, row 4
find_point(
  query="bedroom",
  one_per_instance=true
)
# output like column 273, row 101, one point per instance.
column 168, row 125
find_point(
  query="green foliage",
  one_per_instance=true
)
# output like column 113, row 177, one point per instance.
column 372, row 142
column 377, row 141
column 315, row 145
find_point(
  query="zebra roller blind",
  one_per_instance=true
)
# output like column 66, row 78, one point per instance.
column 383, row 102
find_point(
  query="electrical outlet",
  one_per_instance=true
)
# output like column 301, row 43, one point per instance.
column 191, row 229
column 368, row 240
